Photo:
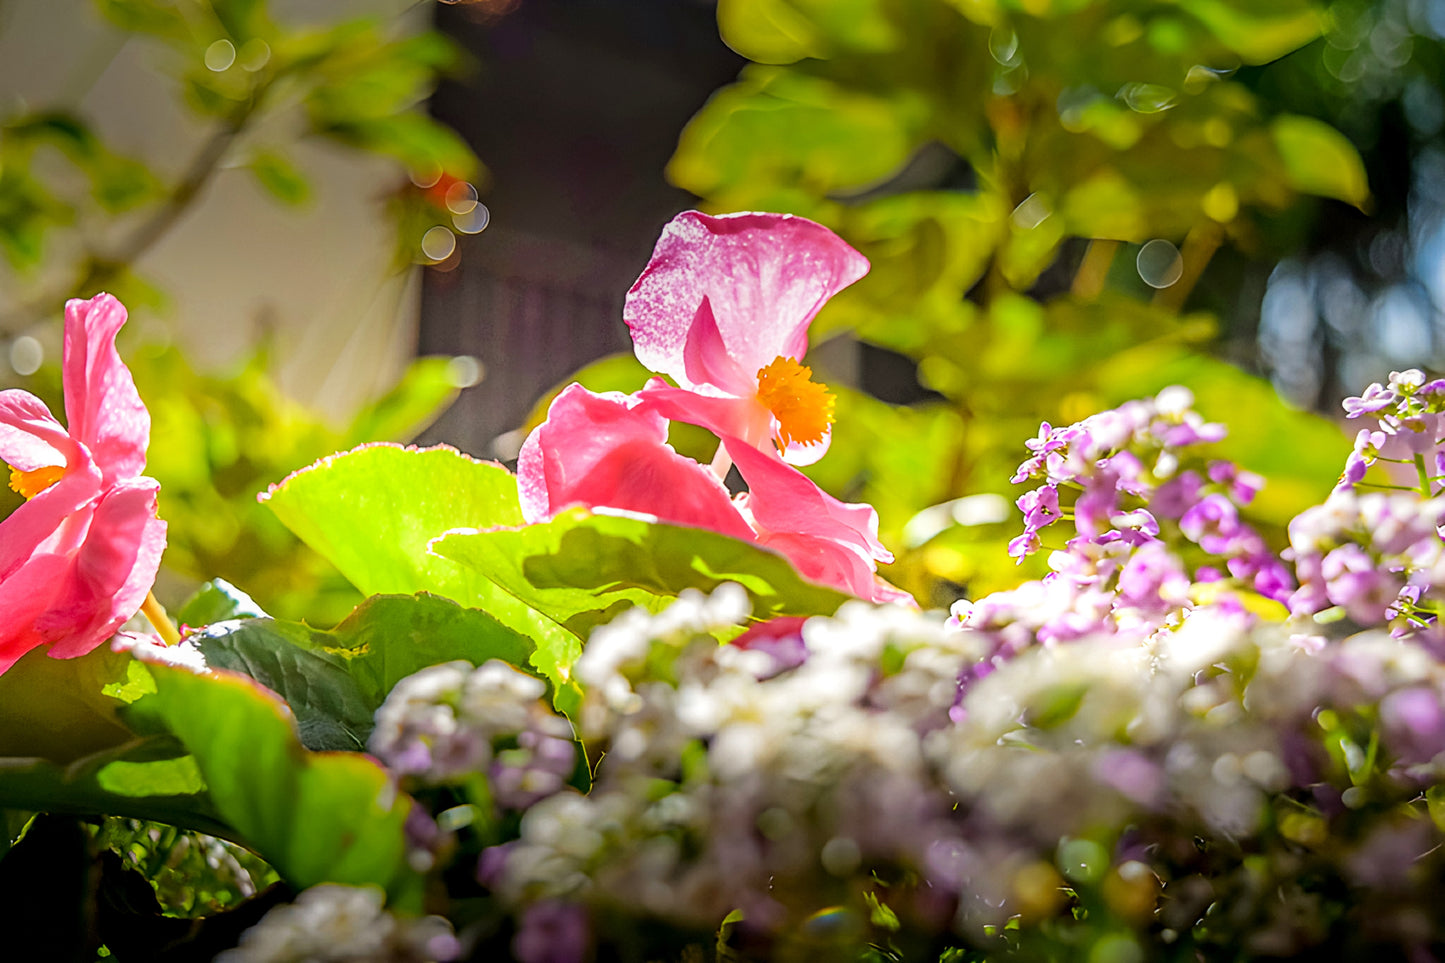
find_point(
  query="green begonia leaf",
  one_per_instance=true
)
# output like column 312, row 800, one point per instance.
column 143, row 778
column 217, row 601
column 785, row 31
column 316, row 817
column 334, row 681
column 579, row 567
column 372, row 511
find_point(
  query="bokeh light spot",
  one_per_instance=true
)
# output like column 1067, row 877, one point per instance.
column 464, row 371
column 461, row 198
column 1159, row 263
column 255, row 54
column 26, row 355
column 220, row 55
column 474, row 221
column 438, row 243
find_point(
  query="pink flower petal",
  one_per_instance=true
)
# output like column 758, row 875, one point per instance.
column 24, row 597
column 30, row 437
column 765, row 276
column 108, row 577
column 53, row 522
column 706, row 360
column 603, row 451
column 786, row 500
column 102, row 406
column 828, row 541
column 741, row 418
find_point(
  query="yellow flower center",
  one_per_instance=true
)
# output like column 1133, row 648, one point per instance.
column 803, row 407
column 32, row 483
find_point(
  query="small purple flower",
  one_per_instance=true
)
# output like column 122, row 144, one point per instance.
column 1098, row 503
column 1023, row 546
column 1040, row 507
column 1212, row 523
column 1176, row 496
column 1353, row 581
column 1242, row 485
column 1413, row 721
column 1152, row 580
column 1375, row 398
column 552, row 932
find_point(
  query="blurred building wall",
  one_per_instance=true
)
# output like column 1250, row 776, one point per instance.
column 575, row 107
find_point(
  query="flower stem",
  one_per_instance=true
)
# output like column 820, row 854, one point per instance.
column 1424, row 475
column 160, row 620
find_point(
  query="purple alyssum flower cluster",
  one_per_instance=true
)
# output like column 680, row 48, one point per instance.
column 1153, row 517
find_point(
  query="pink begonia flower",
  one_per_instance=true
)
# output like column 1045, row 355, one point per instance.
column 78, row 558
column 610, row 451
column 723, row 308
column 601, row 450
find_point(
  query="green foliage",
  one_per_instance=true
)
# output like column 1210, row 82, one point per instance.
column 983, row 152
column 194, row 875
column 335, row 681
column 316, row 817
column 357, row 83
column 408, row 520
column 215, row 753
column 581, row 569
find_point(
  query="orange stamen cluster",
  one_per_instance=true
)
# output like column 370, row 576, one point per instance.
column 803, row 407
column 32, row 483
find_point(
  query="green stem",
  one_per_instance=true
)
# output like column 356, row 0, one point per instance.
column 1423, row 474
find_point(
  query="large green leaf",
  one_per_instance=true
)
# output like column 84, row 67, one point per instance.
column 218, row 753
column 145, row 778
column 774, row 122
column 579, row 567
column 334, row 681
column 371, row 512
column 316, row 817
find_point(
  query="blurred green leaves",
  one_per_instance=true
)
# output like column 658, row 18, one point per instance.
column 1001, row 162
column 263, row 86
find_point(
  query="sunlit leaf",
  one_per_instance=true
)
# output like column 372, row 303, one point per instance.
column 316, row 817
column 1259, row 32
column 117, row 782
column 580, row 568
column 217, row 601
column 372, row 512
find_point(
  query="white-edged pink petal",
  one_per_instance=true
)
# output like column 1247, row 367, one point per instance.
column 765, row 277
